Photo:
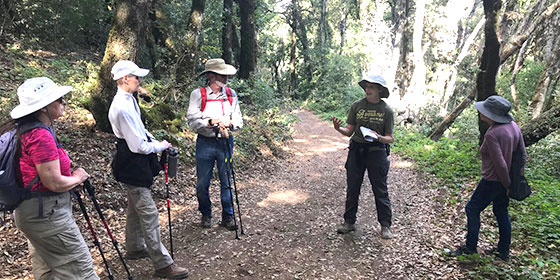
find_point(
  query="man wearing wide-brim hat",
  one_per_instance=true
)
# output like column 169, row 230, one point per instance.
column 213, row 108
column 500, row 141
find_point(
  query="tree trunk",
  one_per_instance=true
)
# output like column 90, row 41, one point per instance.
column 516, row 67
column 323, row 24
column 547, row 123
column 450, row 87
column 343, row 30
column 301, row 32
column 415, row 92
column 514, row 44
column 451, row 117
column 549, row 74
column 188, row 59
column 401, row 48
column 248, row 56
column 292, row 65
column 227, row 32
column 490, row 62
column 126, row 41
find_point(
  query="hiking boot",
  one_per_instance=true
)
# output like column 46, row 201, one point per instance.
column 136, row 255
column 461, row 251
column 172, row 271
column 494, row 252
column 386, row 233
column 206, row 221
column 346, row 228
column 228, row 223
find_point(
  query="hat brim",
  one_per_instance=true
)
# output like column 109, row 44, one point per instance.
column 24, row 110
column 384, row 92
column 228, row 71
column 141, row 72
column 496, row 118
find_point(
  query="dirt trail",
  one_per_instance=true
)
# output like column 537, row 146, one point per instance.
column 291, row 210
column 290, row 215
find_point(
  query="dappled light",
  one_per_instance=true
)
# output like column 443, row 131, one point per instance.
column 289, row 197
column 403, row 164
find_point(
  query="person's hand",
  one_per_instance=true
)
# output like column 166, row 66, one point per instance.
column 336, row 122
column 166, row 144
column 225, row 122
column 81, row 174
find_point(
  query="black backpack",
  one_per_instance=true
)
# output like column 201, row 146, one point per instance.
column 519, row 188
column 12, row 193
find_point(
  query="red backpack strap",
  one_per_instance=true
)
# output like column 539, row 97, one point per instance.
column 203, row 100
column 229, row 95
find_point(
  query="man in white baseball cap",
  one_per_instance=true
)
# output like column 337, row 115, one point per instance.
column 135, row 164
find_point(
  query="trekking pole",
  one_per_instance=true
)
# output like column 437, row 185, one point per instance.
column 78, row 197
column 169, row 161
column 235, row 190
column 225, row 141
column 91, row 193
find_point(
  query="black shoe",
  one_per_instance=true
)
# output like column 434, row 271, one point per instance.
column 494, row 252
column 461, row 251
column 136, row 255
column 346, row 228
column 206, row 221
column 229, row 223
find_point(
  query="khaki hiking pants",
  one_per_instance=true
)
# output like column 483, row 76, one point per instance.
column 142, row 226
column 56, row 246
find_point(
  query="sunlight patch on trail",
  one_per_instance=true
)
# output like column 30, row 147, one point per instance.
column 290, row 197
column 403, row 164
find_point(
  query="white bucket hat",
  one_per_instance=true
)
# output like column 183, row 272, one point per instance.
column 375, row 79
column 218, row 66
column 127, row 67
column 495, row 108
column 36, row 93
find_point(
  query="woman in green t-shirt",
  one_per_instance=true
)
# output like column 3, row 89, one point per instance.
column 370, row 126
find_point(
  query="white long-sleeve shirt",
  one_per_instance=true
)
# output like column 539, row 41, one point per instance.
column 198, row 121
column 124, row 116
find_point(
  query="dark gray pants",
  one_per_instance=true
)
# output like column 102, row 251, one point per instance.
column 376, row 163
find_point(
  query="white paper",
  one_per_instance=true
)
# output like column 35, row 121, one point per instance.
column 368, row 134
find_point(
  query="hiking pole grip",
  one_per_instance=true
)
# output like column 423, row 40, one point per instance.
column 91, row 192
column 224, row 132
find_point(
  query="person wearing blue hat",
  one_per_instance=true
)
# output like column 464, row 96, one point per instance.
column 501, row 139
column 370, row 125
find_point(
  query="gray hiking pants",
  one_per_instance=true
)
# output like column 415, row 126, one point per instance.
column 56, row 246
column 142, row 226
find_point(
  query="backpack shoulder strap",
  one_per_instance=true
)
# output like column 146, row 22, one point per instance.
column 32, row 125
column 204, row 98
column 229, row 95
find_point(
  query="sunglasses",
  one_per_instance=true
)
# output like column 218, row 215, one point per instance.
column 61, row 101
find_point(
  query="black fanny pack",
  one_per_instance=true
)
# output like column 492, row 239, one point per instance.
column 132, row 168
column 372, row 146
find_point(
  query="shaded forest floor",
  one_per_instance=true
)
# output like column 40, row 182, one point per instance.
column 291, row 208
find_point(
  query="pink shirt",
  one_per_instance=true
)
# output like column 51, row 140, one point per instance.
column 499, row 143
column 38, row 146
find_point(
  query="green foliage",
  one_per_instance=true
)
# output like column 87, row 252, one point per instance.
column 333, row 87
column 61, row 24
column 525, row 82
column 453, row 161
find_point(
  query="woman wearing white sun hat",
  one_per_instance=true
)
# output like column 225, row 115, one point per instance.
column 370, row 126
column 56, row 246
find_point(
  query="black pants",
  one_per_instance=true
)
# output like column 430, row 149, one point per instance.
column 376, row 162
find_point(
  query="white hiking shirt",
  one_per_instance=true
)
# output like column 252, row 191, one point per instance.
column 124, row 116
column 198, row 121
